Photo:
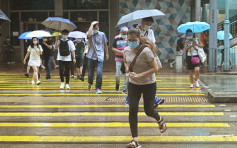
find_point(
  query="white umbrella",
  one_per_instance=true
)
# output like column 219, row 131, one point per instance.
column 38, row 33
column 136, row 17
column 77, row 35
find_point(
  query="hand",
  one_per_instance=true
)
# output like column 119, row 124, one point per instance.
column 95, row 22
column 74, row 61
column 24, row 61
column 107, row 57
column 127, row 69
column 134, row 75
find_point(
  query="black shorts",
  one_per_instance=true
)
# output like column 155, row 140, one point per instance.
column 190, row 65
column 79, row 62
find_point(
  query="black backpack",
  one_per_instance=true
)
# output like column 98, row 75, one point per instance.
column 64, row 48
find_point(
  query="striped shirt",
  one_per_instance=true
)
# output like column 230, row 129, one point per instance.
column 119, row 43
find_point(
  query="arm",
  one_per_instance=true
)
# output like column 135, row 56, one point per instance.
column 117, row 51
column 48, row 46
column 106, row 52
column 125, row 64
column 91, row 28
column 199, row 44
column 27, row 55
column 56, row 43
column 186, row 47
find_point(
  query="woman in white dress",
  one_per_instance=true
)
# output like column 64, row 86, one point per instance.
column 34, row 50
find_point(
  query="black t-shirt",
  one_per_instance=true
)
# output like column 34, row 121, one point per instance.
column 46, row 51
column 180, row 45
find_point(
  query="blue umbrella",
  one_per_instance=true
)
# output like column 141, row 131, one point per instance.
column 136, row 17
column 196, row 27
column 3, row 16
column 221, row 35
column 59, row 23
column 23, row 36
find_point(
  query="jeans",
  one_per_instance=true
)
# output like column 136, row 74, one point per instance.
column 48, row 63
column 118, row 75
column 134, row 95
column 91, row 69
column 64, row 69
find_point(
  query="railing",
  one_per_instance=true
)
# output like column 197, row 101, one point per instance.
column 233, row 26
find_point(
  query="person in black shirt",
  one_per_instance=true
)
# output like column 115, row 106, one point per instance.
column 179, row 47
column 48, row 55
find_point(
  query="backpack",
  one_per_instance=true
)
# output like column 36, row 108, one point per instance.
column 64, row 48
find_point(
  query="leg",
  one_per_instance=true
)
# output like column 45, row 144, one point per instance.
column 72, row 68
column 197, row 69
column 91, row 69
column 118, row 71
column 35, row 73
column 125, row 83
column 67, row 70
column 49, row 64
column 85, row 64
column 99, row 75
column 134, row 95
column 28, row 69
column 61, row 71
column 191, row 76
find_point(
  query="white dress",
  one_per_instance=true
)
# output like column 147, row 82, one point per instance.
column 34, row 55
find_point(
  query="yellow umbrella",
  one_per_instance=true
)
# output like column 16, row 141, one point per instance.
column 56, row 34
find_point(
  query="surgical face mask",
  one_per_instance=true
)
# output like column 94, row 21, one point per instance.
column 95, row 31
column 123, row 36
column 79, row 40
column 65, row 37
column 35, row 42
column 45, row 40
column 133, row 44
column 146, row 28
column 189, row 37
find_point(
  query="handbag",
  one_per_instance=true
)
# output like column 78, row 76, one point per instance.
column 201, row 54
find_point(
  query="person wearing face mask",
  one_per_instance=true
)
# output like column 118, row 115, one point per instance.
column 80, row 47
column 34, row 51
column 48, row 55
column 190, row 46
column 97, row 49
column 140, row 63
column 9, row 51
column 66, row 54
column 118, row 45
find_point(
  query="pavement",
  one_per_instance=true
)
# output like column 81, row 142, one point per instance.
column 44, row 116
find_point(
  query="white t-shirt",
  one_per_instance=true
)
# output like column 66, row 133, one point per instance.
column 35, row 52
column 192, row 51
column 71, row 48
column 149, row 34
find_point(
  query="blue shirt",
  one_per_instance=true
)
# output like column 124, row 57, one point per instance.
column 96, row 46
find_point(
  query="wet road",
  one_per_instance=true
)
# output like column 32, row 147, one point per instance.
column 44, row 116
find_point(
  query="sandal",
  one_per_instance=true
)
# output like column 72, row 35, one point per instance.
column 134, row 144
column 162, row 125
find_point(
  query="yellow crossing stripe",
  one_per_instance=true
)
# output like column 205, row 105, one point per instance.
column 89, row 139
column 111, row 124
column 97, row 106
column 108, row 113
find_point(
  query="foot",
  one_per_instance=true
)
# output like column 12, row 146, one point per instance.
column 158, row 101
column 98, row 91
column 56, row 66
column 67, row 87
column 134, row 144
column 117, row 87
column 62, row 86
column 89, row 87
column 81, row 78
column 171, row 66
column 126, row 101
column 72, row 76
column 125, row 91
column 27, row 75
column 42, row 66
column 33, row 82
column 162, row 125
column 191, row 85
column 48, row 77
column 197, row 84
column 38, row 82
column 39, row 76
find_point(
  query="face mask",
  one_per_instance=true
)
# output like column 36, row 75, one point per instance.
column 123, row 36
column 64, row 37
column 133, row 44
column 79, row 40
column 45, row 40
column 95, row 31
column 189, row 37
column 35, row 42
column 146, row 28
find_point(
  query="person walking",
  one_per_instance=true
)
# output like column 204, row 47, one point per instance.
column 85, row 61
column 48, row 55
column 118, row 45
column 34, row 51
column 9, row 51
column 179, row 48
column 97, row 47
column 191, row 46
column 66, row 53
column 139, row 60
column 80, row 47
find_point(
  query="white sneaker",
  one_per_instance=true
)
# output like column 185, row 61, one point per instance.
column 38, row 82
column 62, row 86
column 191, row 85
column 42, row 66
column 67, row 87
column 197, row 84
column 33, row 82
column 98, row 91
column 56, row 66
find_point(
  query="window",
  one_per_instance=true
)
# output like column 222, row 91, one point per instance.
column 36, row 16
column 85, row 4
column 15, row 26
column 83, row 16
column 32, row 4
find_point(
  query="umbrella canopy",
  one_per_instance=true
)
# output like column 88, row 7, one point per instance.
column 56, row 34
column 77, row 35
column 3, row 16
column 23, row 36
column 38, row 33
column 136, row 17
column 221, row 35
column 58, row 23
column 196, row 27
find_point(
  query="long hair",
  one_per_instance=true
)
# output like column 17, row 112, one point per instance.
column 144, row 40
column 32, row 44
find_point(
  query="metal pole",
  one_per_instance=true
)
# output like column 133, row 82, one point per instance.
column 227, row 41
column 198, row 14
column 212, row 36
